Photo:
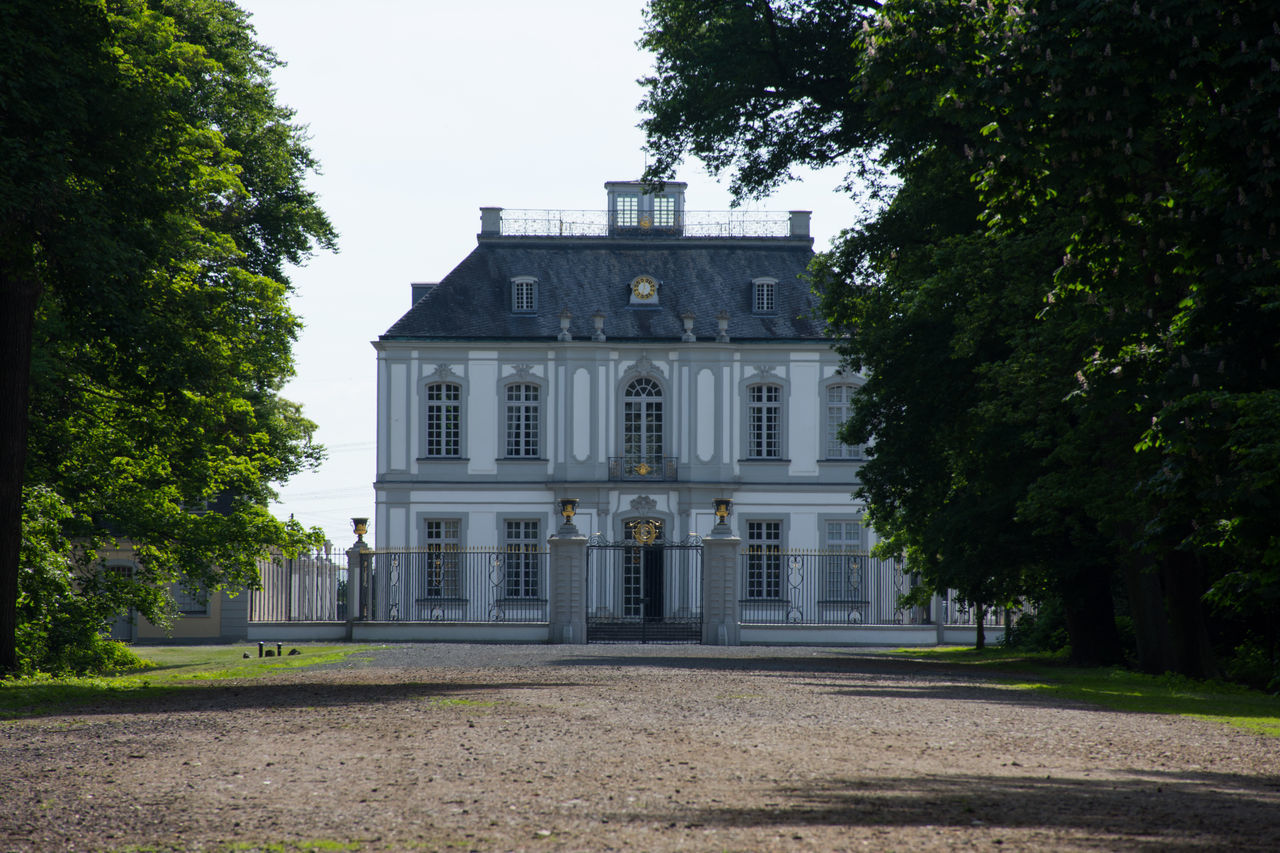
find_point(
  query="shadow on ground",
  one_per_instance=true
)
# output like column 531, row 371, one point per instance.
column 88, row 700
column 1148, row 811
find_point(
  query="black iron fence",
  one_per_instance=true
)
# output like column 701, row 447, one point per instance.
column 956, row 611
column 644, row 593
column 306, row 588
column 457, row 585
column 823, row 588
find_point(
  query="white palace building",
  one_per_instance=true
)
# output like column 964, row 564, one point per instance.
column 644, row 361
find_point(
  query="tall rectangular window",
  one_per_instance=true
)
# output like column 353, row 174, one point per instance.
column 764, row 422
column 523, row 560
column 664, row 211
column 839, row 410
column 628, row 210
column 845, row 560
column 443, row 419
column 440, row 574
column 764, row 559
column 523, row 418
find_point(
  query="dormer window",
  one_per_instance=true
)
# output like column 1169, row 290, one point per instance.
column 763, row 296
column 524, row 294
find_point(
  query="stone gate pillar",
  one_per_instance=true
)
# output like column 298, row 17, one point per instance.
column 356, row 570
column 567, row 584
column 721, row 586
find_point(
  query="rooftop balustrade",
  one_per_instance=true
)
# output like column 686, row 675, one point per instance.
column 496, row 221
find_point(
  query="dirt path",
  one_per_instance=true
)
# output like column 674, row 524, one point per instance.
column 629, row 748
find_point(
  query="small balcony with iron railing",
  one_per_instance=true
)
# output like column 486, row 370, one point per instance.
column 642, row 467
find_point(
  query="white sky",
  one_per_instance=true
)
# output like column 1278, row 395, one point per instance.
column 421, row 112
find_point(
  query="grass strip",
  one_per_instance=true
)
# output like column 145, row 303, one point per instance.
column 171, row 668
column 1117, row 688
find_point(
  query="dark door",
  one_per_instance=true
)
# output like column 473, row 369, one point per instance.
column 653, row 583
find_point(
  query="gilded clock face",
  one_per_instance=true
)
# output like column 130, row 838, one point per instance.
column 644, row 287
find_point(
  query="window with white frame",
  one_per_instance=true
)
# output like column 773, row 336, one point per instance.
column 664, row 211
column 524, row 295
column 764, row 422
column 764, row 559
column 642, row 422
column 441, row 570
column 523, row 558
column 442, row 418
column 763, row 292
column 627, row 210
column 524, row 415
column 845, row 559
column 839, row 410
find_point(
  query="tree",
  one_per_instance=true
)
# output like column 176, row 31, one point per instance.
column 1105, row 303
column 151, row 197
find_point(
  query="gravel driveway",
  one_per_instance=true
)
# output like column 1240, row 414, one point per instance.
column 472, row 747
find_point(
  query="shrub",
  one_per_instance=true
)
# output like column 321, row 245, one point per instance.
column 60, row 627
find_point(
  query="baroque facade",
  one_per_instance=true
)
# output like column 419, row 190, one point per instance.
column 645, row 360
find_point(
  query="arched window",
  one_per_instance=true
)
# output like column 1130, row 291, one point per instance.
column 642, row 421
column 442, row 417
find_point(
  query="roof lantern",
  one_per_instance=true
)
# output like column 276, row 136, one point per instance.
column 637, row 209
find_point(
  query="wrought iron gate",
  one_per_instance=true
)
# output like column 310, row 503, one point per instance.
column 644, row 593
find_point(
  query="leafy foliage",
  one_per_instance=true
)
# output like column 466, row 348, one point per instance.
column 60, row 621
column 1067, row 312
column 151, row 198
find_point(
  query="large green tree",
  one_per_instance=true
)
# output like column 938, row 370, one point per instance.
column 151, row 196
column 1067, row 309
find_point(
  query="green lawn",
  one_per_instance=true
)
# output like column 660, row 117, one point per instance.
column 172, row 668
column 1118, row 688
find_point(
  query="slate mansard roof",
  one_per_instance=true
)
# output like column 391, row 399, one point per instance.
column 696, row 275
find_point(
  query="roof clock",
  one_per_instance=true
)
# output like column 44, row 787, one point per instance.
column 644, row 290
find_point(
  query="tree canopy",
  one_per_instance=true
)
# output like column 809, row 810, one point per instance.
column 151, row 198
column 1066, row 309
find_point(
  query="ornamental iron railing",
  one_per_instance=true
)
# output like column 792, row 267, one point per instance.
column 684, row 223
column 957, row 611
column 642, row 467
column 457, row 585
column 823, row 588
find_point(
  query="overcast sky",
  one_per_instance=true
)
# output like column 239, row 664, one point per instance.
column 421, row 112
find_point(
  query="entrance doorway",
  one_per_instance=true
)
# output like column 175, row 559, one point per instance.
column 644, row 589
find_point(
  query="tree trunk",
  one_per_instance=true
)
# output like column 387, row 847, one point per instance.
column 980, row 630
column 1150, row 623
column 1091, row 617
column 1184, row 588
column 19, row 292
